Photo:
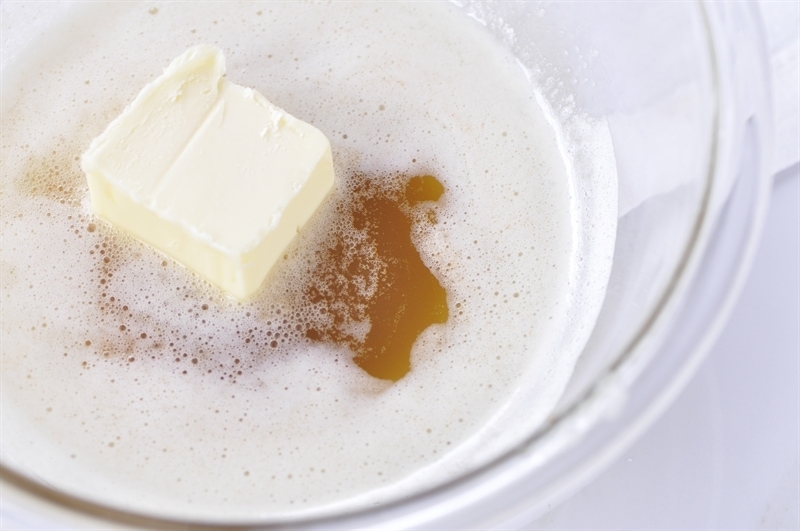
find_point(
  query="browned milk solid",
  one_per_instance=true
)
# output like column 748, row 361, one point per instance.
column 127, row 380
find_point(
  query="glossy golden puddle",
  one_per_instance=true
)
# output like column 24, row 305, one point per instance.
column 375, row 282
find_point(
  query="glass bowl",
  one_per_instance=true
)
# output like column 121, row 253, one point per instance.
column 680, row 93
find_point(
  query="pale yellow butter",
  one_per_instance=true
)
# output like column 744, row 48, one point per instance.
column 209, row 172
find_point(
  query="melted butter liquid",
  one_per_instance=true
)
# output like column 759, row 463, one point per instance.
column 374, row 363
column 406, row 297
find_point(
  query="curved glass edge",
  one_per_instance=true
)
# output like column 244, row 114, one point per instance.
column 710, row 284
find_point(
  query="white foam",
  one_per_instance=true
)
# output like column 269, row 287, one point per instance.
column 133, row 421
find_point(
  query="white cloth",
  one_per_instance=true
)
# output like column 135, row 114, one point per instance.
column 782, row 26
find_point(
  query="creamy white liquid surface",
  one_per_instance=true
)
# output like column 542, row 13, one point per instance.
column 187, row 411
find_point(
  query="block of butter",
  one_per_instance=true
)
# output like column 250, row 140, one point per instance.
column 209, row 172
